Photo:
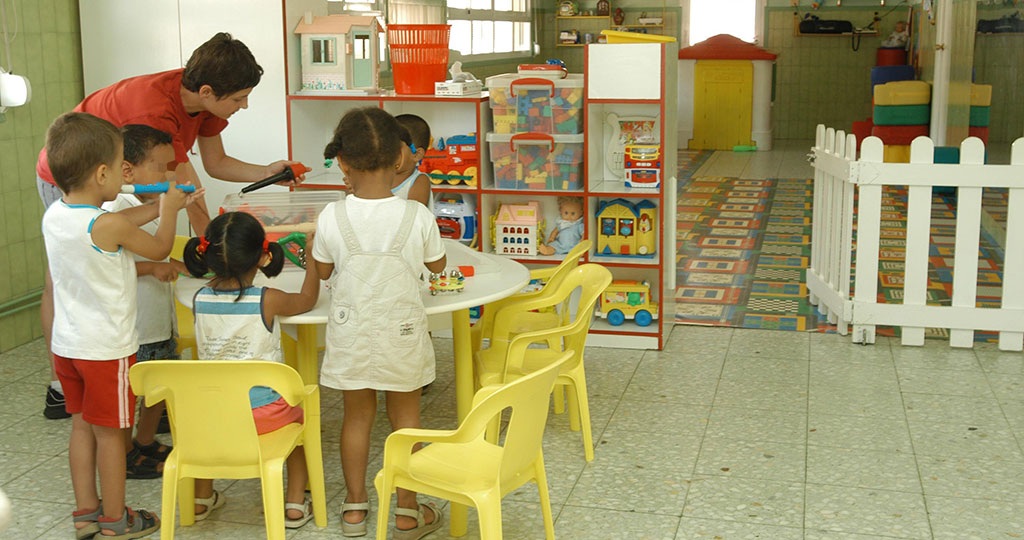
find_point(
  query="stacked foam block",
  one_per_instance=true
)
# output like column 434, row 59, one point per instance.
column 901, row 114
column 880, row 74
column 981, row 101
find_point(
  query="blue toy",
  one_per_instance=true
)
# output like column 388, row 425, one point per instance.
column 159, row 187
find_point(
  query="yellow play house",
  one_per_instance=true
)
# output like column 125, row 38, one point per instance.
column 626, row 229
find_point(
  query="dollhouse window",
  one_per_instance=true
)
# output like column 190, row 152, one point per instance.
column 608, row 226
column 626, row 227
column 361, row 47
column 323, row 51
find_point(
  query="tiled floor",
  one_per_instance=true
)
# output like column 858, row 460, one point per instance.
column 726, row 434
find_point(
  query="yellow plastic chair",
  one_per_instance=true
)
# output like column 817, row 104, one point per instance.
column 463, row 467
column 494, row 366
column 182, row 313
column 215, row 435
column 534, row 320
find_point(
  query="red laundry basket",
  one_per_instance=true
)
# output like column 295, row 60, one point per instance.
column 419, row 56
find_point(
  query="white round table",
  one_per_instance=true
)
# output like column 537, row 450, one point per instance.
column 495, row 277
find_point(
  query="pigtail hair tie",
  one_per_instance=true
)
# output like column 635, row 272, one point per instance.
column 203, row 244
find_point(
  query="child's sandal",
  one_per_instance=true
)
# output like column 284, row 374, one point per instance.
column 87, row 516
column 306, row 507
column 358, row 528
column 211, row 503
column 154, row 450
column 133, row 524
column 141, row 466
column 422, row 527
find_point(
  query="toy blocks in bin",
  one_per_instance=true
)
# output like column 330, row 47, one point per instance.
column 537, row 161
column 536, row 104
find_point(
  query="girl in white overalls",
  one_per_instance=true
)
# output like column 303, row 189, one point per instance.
column 372, row 247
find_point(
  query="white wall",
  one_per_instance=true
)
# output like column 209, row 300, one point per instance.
column 125, row 38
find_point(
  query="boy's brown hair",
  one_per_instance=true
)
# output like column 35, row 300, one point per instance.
column 139, row 140
column 224, row 64
column 76, row 144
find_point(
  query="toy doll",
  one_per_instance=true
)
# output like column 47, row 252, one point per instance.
column 899, row 36
column 568, row 230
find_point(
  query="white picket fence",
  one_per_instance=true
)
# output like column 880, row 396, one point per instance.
column 837, row 173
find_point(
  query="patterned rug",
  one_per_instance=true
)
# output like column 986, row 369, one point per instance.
column 743, row 247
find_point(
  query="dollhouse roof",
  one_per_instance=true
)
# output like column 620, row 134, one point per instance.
column 633, row 208
column 725, row 47
column 509, row 213
column 333, row 24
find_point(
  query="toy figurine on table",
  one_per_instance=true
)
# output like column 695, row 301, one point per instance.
column 450, row 282
column 568, row 230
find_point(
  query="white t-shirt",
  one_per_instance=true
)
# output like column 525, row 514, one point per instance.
column 155, row 300
column 93, row 290
column 375, row 222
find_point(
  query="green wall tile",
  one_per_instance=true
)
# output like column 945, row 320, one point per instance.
column 12, row 215
column 19, row 269
column 28, row 12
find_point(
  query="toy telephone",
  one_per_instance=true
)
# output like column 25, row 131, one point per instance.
column 622, row 130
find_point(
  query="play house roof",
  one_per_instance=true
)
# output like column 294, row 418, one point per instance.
column 725, row 47
column 333, row 24
column 633, row 208
column 522, row 214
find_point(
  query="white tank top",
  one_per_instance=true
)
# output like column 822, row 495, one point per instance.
column 402, row 190
column 93, row 290
column 232, row 328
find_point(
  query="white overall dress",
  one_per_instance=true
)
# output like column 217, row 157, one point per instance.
column 377, row 329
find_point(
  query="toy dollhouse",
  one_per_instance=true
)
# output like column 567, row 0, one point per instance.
column 627, row 229
column 515, row 229
column 340, row 54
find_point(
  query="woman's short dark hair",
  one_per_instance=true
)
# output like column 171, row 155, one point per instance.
column 224, row 64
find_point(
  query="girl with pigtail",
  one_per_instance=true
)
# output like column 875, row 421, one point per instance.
column 238, row 321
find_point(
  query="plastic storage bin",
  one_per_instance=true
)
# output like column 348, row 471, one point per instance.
column 536, row 104
column 537, row 161
column 282, row 213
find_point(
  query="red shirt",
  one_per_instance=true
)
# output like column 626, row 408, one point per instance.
column 153, row 100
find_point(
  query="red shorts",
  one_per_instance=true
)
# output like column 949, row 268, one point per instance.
column 98, row 389
column 274, row 416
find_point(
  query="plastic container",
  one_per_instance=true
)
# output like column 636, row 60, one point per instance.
column 536, row 104
column 419, row 56
column 537, row 161
column 618, row 36
column 891, row 56
column 282, row 213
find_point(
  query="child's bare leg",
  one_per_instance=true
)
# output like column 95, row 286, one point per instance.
column 149, row 419
column 110, row 460
column 404, row 412
column 360, row 407
column 295, row 492
column 204, row 490
column 82, row 459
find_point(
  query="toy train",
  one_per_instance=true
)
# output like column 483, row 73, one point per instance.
column 453, row 162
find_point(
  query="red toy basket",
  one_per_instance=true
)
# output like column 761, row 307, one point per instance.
column 419, row 56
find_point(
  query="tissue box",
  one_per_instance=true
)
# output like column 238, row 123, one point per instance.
column 449, row 88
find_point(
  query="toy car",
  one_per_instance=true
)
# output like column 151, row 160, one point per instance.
column 450, row 282
column 628, row 299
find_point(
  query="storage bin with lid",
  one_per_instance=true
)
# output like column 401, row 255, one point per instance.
column 536, row 104
column 282, row 213
column 537, row 161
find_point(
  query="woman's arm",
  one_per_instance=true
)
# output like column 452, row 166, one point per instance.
column 224, row 167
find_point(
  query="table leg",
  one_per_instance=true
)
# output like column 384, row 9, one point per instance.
column 305, row 360
column 463, row 395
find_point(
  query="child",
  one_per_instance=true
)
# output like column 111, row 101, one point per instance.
column 568, row 230
column 147, row 151
column 94, row 338
column 237, row 321
column 409, row 183
column 375, row 245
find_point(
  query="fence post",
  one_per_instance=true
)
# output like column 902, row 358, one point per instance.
column 915, row 266
column 1013, row 259
column 968, row 235
column 869, row 217
column 816, row 218
column 846, row 247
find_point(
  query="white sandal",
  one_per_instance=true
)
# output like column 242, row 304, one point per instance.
column 354, row 529
column 422, row 528
column 306, row 507
column 211, row 503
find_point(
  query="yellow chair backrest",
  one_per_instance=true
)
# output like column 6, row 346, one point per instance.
column 528, row 399
column 550, row 276
column 208, row 404
column 178, row 251
column 591, row 279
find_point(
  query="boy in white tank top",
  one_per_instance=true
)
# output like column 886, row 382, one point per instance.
column 409, row 183
column 94, row 338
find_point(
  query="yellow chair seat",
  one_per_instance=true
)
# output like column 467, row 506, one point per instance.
column 456, row 467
